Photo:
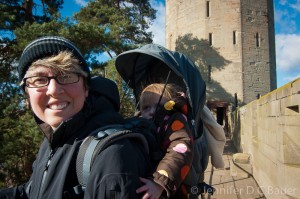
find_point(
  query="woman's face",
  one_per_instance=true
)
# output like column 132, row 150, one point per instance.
column 56, row 103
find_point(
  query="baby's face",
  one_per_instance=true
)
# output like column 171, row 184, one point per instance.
column 148, row 108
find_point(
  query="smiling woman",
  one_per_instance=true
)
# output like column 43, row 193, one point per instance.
column 55, row 85
column 54, row 98
column 68, row 105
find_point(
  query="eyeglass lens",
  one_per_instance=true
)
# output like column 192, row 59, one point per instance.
column 40, row 81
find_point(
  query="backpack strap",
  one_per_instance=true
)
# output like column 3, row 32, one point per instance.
column 94, row 144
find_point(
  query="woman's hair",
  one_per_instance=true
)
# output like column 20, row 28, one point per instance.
column 170, row 92
column 63, row 62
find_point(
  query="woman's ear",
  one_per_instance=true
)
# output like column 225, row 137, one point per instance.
column 27, row 100
column 27, row 103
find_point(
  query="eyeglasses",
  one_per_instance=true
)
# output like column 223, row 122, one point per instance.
column 42, row 81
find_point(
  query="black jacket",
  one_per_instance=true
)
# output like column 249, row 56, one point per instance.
column 115, row 172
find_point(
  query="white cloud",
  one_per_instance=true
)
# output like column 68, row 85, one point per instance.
column 296, row 5
column 287, row 52
column 82, row 3
column 158, row 26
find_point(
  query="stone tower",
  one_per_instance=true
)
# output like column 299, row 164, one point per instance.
column 232, row 42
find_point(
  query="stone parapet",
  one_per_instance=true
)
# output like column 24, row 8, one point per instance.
column 268, row 129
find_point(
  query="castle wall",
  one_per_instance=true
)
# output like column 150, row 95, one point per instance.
column 268, row 129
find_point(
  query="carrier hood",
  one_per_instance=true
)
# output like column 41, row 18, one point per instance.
column 153, row 63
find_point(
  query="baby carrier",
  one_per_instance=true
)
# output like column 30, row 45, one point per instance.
column 155, row 64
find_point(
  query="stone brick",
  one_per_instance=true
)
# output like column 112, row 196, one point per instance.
column 273, row 109
column 288, row 155
column 268, row 151
column 296, row 86
column 289, row 120
column 295, row 100
column 284, row 91
column 241, row 158
column 291, row 134
column 288, row 145
column 288, row 180
column 264, row 99
column 240, row 170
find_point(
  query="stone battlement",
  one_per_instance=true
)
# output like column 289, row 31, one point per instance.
column 269, row 130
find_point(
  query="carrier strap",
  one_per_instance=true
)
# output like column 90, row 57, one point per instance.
column 95, row 144
column 89, row 154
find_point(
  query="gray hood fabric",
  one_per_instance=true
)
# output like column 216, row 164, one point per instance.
column 152, row 63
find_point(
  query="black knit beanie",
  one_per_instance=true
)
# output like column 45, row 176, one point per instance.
column 48, row 46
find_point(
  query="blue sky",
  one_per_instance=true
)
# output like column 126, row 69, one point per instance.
column 287, row 33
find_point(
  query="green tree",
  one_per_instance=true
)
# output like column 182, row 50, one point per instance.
column 19, row 144
column 102, row 26
column 127, row 107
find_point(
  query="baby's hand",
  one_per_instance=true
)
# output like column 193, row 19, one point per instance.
column 152, row 190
